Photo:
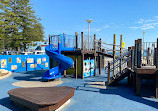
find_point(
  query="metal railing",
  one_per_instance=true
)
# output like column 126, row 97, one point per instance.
column 148, row 53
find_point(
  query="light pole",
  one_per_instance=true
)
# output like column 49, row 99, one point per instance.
column 89, row 21
column 143, row 43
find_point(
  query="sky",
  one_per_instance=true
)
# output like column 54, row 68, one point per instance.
column 126, row 17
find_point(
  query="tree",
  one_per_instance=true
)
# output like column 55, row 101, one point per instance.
column 20, row 24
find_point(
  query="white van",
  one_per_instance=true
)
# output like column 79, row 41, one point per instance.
column 39, row 52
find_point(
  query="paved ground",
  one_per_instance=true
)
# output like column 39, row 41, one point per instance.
column 88, row 97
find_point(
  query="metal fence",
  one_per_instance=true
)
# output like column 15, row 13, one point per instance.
column 148, row 53
column 71, row 42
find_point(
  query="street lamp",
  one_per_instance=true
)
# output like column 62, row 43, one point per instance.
column 143, row 43
column 89, row 21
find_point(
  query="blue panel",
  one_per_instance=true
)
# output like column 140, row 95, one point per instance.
column 89, row 68
column 92, row 67
column 19, row 62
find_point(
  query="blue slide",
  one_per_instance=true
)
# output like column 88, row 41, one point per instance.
column 64, row 61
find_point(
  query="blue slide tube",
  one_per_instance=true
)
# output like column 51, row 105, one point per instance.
column 64, row 61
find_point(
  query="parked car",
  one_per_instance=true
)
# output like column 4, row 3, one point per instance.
column 26, row 53
column 39, row 52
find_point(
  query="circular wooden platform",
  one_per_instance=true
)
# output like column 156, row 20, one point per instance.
column 41, row 98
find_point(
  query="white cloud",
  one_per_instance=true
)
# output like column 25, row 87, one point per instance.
column 146, row 24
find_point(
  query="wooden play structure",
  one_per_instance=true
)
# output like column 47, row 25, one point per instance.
column 139, row 62
column 86, row 53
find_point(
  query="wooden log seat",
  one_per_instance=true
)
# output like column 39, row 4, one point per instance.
column 41, row 98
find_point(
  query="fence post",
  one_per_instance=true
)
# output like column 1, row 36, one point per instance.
column 76, row 34
column 108, row 72
column 114, row 54
column 139, row 64
column 121, row 37
column 82, row 40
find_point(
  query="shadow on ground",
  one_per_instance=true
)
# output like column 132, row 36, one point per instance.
column 30, row 75
column 123, row 90
column 8, row 104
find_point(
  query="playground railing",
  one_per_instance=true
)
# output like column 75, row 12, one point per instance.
column 115, row 68
column 149, row 53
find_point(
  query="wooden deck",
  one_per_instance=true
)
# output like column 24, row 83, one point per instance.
column 41, row 98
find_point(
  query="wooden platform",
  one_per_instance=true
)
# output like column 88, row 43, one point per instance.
column 41, row 98
column 146, row 72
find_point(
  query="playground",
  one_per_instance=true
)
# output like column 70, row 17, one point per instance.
column 86, row 97
column 79, row 76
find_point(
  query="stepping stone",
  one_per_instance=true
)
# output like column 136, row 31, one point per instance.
column 41, row 98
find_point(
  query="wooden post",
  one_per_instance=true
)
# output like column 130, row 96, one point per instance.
column 76, row 34
column 64, row 73
column 94, row 54
column 121, row 37
column 76, row 66
column 82, row 40
column 157, row 55
column 129, row 62
column 100, row 57
column 108, row 72
column 82, row 65
column 138, row 85
column 132, row 57
column 129, row 66
column 49, row 40
column 100, row 64
column 156, row 84
column 100, row 45
column 114, row 54
column 94, row 42
column 139, row 62
column 135, row 53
